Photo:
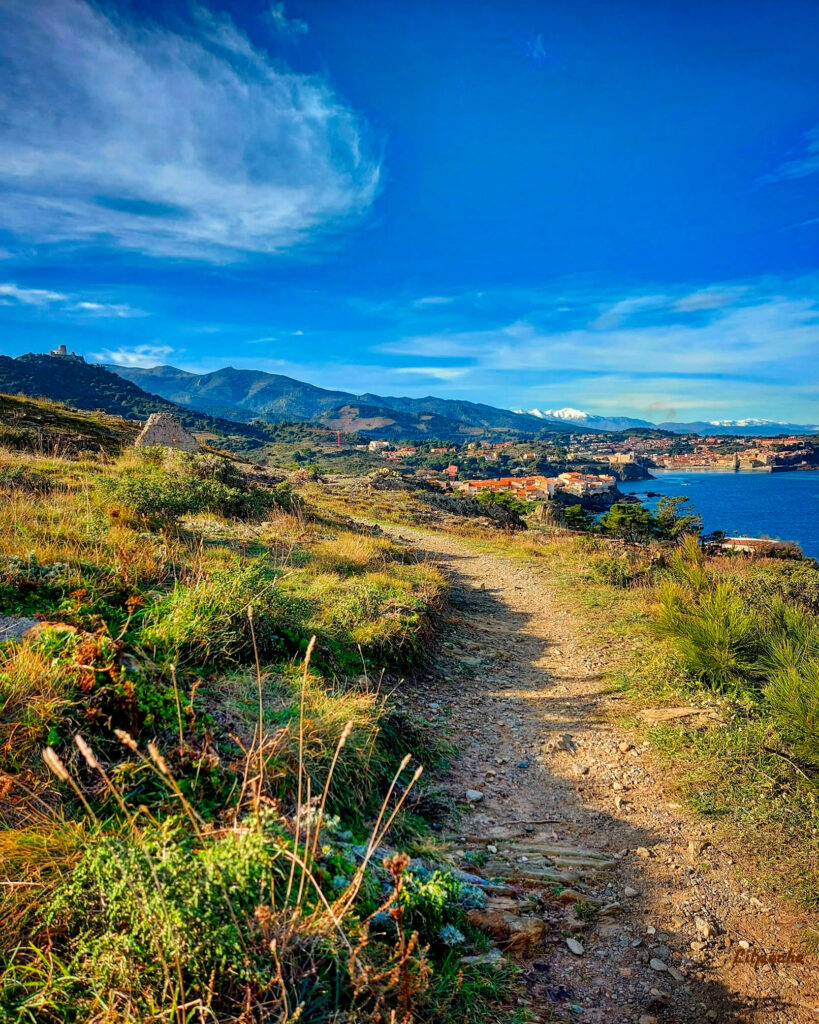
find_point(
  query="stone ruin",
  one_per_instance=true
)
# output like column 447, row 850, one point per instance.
column 164, row 429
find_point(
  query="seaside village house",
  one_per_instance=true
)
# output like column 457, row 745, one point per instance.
column 539, row 488
column 584, row 485
column 532, row 488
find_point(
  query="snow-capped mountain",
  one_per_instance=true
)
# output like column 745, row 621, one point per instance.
column 588, row 419
column 750, row 426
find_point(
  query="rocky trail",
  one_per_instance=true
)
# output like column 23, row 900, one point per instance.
column 617, row 906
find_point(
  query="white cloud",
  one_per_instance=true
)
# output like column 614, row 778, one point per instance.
column 802, row 166
column 763, row 330
column 437, row 372
column 12, row 294
column 615, row 314
column 707, row 298
column 282, row 23
column 137, row 355
column 193, row 145
column 434, row 300
column 115, row 309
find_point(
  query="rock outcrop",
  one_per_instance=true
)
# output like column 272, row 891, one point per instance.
column 164, row 429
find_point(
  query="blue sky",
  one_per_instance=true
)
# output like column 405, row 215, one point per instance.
column 610, row 204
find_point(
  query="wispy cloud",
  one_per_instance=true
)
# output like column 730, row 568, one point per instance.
column 620, row 311
column 286, row 25
column 135, row 355
column 802, row 166
column 434, row 300
column 59, row 302
column 685, row 348
column 435, row 372
column 196, row 145
column 12, row 293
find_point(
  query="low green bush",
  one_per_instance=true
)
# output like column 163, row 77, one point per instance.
column 158, row 493
column 793, row 697
column 719, row 639
column 794, row 581
column 618, row 571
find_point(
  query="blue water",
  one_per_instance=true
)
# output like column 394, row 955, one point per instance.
column 783, row 506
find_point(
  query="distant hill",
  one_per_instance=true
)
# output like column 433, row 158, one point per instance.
column 250, row 393
column 392, row 424
column 90, row 386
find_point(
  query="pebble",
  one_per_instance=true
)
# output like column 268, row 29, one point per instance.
column 657, row 965
column 704, row 927
column 474, row 796
column 629, row 891
column 646, row 1018
column 641, row 851
column 575, row 947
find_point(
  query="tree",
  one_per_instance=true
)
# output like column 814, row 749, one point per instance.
column 577, row 518
column 673, row 520
column 631, row 521
column 505, row 499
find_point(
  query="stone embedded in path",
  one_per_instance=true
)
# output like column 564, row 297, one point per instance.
column 14, row 627
column 474, row 796
column 657, row 965
column 575, row 947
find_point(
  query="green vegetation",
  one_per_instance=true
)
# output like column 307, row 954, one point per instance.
column 634, row 522
column 49, row 428
column 200, row 767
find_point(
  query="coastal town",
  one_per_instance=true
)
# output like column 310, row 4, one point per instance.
column 587, row 465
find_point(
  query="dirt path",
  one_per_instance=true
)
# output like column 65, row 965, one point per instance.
column 516, row 683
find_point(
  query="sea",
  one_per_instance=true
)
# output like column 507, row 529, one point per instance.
column 782, row 506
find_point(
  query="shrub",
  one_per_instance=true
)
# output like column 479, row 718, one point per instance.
column 158, row 914
column 791, row 637
column 793, row 697
column 719, row 639
column 618, row 571
column 431, row 900
column 794, row 581
column 159, row 493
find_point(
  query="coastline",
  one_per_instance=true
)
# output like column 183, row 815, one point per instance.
column 782, row 505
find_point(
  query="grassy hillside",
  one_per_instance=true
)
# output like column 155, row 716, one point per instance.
column 202, row 758
column 46, row 427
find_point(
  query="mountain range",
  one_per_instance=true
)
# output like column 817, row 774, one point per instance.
column 744, row 427
column 251, row 394
column 231, row 403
